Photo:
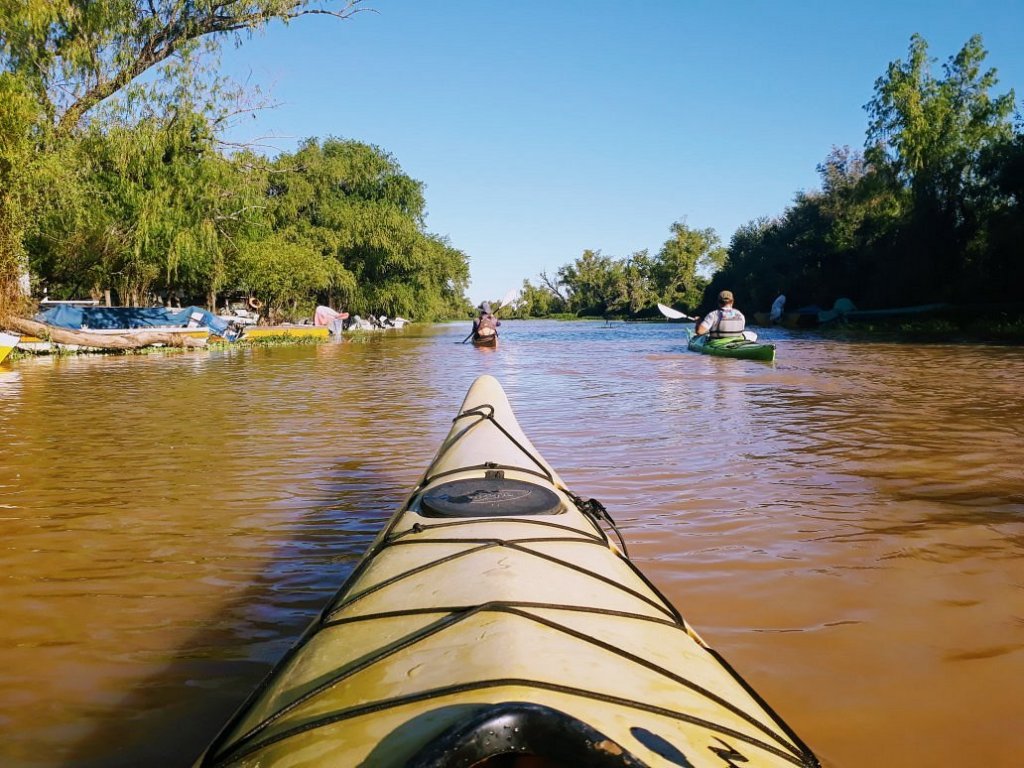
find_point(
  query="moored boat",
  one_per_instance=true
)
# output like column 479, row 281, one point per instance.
column 493, row 622
column 742, row 348
column 7, row 344
column 285, row 331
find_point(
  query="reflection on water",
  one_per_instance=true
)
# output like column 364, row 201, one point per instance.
column 846, row 525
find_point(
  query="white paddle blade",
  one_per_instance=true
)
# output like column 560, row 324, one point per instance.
column 672, row 314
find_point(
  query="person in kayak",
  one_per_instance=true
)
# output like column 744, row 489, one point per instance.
column 486, row 324
column 724, row 322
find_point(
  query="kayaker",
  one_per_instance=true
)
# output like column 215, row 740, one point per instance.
column 724, row 322
column 486, row 324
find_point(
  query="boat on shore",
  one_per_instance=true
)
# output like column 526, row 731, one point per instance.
column 8, row 342
column 287, row 331
column 805, row 317
column 495, row 623
column 70, row 327
column 742, row 348
column 844, row 310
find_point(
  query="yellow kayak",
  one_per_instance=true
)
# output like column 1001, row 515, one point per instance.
column 493, row 623
column 8, row 342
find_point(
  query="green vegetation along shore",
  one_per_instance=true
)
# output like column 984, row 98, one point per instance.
column 116, row 183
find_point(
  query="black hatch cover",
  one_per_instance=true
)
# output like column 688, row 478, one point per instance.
column 521, row 728
column 489, row 497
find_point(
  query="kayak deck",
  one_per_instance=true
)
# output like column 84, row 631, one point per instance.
column 493, row 615
column 739, row 348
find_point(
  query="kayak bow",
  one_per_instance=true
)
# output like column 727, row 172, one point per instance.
column 494, row 623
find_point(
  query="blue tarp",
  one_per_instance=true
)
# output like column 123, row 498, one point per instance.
column 78, row 318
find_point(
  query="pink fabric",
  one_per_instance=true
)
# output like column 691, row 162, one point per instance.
column 324, row 315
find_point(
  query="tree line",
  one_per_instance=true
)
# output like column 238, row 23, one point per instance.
column 931, row 210
column 115, row 178
column 116, row 183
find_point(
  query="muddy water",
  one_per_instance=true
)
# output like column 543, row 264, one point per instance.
column 846, row 526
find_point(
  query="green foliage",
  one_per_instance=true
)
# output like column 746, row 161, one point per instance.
column 590, row 282
column 352, row 202
column 17, row 194
column 534, row 301
column 286, row 273
column 634, row 287
column 928, row 213
column 676, row 268
column 929, row 135
column 74, row 55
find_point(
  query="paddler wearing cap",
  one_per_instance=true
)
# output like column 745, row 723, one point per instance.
column 723, row 322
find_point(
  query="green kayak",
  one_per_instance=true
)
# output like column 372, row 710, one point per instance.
column 741, row 348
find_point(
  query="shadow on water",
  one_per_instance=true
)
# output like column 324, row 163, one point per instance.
column 173, row 715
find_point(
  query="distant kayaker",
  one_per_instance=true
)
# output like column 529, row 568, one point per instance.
column 724, row 321
column 486, row 324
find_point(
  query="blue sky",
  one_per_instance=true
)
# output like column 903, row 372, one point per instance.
column 541, row 129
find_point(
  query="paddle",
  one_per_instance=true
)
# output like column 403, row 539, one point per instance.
column 675, row 314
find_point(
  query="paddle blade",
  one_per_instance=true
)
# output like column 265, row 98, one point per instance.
column 672, row 314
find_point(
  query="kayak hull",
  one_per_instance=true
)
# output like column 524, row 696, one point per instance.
column 485, row 341
column 8, row 342
column 738, row 348
column 493, row 615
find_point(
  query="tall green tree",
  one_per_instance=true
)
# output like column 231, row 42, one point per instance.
column 352, row 202
column 634, row 287
column 929, row 133
column 591, row 282
column 160, row 211
column 69, row 69
column 676, row 271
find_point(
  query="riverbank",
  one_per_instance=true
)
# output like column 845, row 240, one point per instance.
column 958, row 325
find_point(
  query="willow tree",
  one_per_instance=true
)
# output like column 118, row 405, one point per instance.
column 75, row 55
column 352, row 202
column 634, row 287
column 17, row 192
column 158, row 211
column 62, row 59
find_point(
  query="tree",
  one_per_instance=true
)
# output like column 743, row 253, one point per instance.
column 352, row 202
column 676, row 266
column 590, row 282
column 19, row 182
column 70, row 71
column 930, row 133
column 159, row 210
column 74, row 55
column 288, row 274
column 634, row 288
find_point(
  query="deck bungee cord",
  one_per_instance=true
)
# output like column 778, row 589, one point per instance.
column 495, row 592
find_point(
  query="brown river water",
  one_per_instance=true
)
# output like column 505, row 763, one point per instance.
column 845, row 526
